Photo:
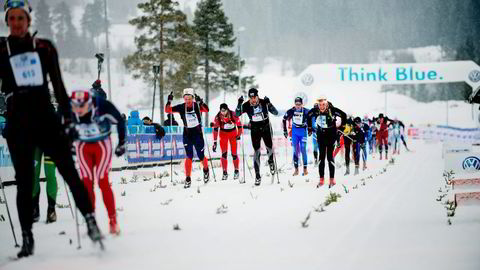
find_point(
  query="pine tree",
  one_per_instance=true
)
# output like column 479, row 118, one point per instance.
column 93, row 20
column 215, row 42
column 43, row 20
column 166, row 40
column 66, row 35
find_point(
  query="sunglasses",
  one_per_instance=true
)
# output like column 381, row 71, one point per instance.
column 298, row 104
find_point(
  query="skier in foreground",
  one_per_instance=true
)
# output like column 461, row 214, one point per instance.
column 299, row 115
column 93, row 117
column 326, row 115
column 31, row 118
column 230, row 131
column 257, row 110
column 190, row 111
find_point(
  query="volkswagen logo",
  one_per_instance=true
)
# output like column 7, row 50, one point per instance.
column 307, row 79
column 474, row 76
column 471, row 164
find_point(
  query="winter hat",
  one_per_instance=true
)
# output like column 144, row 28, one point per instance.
column 357, row 120
column 380, row 115
column 188, row 91
column 80, row 97
column 146, row 118
column 223, row 106
column 252, row 92
column 23, row 4
column 298, row 99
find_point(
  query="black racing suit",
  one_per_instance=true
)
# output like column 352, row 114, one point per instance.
column 326, row 134
column 260, row 129
column 32, row 121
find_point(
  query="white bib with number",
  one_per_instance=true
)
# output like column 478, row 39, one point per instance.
column 322, row 121
column 88, row 131
column 257, row 114
column 229, row 126
column 27, row 69
column 192, row 120
column 298, row 118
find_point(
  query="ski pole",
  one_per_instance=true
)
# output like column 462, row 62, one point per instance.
column 171, row 145
column 8, row 212
column 99, row 57
column 68, row 198
column 78, row 230
column 273, row 148
column 243, row 145
column 210, row 159
column 346, row 135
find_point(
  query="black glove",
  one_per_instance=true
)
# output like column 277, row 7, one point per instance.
column 310, row 131
column 198, row 99
column 170, row 97
column 239, row 137
column 285, row 133
column 120, row 149
column 214, row 147
column 71, row 131
column 240, row 101
column 267, row 100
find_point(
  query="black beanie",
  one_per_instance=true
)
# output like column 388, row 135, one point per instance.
column 252, row 92
column 223, row 106
column 298, row 99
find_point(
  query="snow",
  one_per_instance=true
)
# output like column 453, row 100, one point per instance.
column 391, row 222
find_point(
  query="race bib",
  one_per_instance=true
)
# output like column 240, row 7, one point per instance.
column 192, row 120
column 88, row 131
column 27, row 69
column 322, row 121
column 229, row 126
column 298, row 118
column 257, row 117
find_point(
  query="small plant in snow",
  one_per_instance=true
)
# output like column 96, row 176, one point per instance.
column 307, row 180
column 63, row 205
column 281, row 189
column 345, row 188
column 124, row 193
column 123, row 180
column 450, row 213
column 355, row 187
column 2, row 201
column 440, row 198
column 198, row 189
column 305, row 222
column 134, row 179
column 253, row 197
column 146, row 179
column 2, row 218
column 363, row 183
column 449, row 222
column 176, row 227
column 290, row 184
column 319, row 209
column 223, row 209
column 392, row 161
column 331, row 198
column 167, row 202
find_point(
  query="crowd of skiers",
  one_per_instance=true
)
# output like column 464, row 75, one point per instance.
column 83, row 122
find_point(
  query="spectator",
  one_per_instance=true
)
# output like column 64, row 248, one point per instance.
column 170, row 121
column 159, row 131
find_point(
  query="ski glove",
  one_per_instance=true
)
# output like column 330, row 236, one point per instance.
column 310, row 131
column 170, row 97
column 267, row 100
column 285, row 133
column 198, row 99
column 120, row 149
column 239, row 137
column 240, row 101
column 214, row 147
column 71, row 131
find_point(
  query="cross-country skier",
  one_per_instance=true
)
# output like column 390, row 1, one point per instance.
column 347, row 143
column 314, row 137
column 299, row 115
column 230, row 131
column 326, row 124
column 31, row 118
column 93, row 117
column 191, row 113
column 257, row 110
column 398, row 134
column 382, row 134
column 359, row 147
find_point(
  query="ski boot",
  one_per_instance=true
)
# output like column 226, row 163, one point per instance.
column 316, row 163
column 188, row 182
column 236, row 175
column 28, row 245
column 305, row 172
column 295, row 173
column 380, row 155
column 332, row 183
column 356, row 170
column 322, row 181
column 347, row 172
column 36, row 213
column 51, row 215
column 225, row 175
column 93, row 230
column 258, row 180
column 113, row 226
column 364, row 166
column 386, row 155
column 206, row 176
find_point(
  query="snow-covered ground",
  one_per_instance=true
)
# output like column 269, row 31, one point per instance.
column 392, row 221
